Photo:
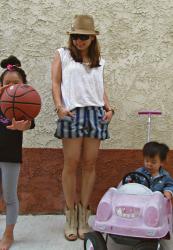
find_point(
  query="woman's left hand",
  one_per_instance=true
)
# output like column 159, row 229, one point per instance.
column 19, row 125
column 108, row 116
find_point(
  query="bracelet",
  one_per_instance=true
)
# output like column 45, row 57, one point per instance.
column 112, row 110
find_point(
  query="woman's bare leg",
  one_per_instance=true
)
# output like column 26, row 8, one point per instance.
column 72, row 152
column 89, row 156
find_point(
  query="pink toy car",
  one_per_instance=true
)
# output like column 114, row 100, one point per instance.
column 131, row 215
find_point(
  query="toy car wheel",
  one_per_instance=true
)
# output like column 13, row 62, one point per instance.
column 94, row 241
column 149, row 245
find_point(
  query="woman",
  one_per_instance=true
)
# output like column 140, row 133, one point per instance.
column 84, row 113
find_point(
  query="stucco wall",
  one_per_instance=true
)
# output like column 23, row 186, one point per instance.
column 137, row 43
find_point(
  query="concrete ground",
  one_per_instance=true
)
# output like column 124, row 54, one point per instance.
column 45, row 232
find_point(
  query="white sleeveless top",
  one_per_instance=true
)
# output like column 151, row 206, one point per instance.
column 81, row 86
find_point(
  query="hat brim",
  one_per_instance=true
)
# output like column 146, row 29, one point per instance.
column 83, row 32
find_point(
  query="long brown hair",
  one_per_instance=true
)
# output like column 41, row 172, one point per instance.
column 93, row 52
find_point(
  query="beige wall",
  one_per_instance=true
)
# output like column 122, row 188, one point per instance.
column 137, row 43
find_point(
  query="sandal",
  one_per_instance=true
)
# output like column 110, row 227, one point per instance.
column 83, row 217
column 70, row 230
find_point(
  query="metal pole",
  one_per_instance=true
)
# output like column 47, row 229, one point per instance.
column 149, row 114
column 149, row 127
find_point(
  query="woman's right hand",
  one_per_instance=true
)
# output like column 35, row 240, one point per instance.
column 62, row 112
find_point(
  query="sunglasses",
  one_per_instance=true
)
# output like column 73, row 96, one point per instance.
column 82, row 37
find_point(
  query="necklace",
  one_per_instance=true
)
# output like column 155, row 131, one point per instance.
column 86, row 63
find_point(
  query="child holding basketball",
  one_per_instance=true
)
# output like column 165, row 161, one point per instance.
column 11, row 134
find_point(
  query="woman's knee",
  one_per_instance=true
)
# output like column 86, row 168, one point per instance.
column 88, row 165
column 70, row 165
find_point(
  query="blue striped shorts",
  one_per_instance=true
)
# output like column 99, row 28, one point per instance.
column 86, row 122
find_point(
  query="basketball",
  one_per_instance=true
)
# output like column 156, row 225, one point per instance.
column 20, row 101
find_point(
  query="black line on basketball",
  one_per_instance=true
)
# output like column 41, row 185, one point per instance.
column 20, row 111
column 14, row 98
column 34, row 103
column 8, row 94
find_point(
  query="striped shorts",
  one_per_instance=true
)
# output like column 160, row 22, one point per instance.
column 86, row 122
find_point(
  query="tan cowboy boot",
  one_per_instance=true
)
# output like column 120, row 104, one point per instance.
column 83, row 216
column 70, row 230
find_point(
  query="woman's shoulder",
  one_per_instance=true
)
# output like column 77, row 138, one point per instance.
column 102, row 61
column 64, row 53
column 63, row 50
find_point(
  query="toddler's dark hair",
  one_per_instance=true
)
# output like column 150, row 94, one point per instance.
column 16, row 66
column 153, row 148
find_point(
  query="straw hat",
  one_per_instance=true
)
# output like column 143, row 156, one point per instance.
column 83, row 24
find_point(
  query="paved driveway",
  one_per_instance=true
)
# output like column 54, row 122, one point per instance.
column 45, row 232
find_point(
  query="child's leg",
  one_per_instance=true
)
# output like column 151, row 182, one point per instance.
column 10, row 174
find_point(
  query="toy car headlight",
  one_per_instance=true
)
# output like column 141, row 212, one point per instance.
column 104, row 211
column 151, row 216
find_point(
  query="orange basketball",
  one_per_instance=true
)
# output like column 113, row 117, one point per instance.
column 20, row 101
